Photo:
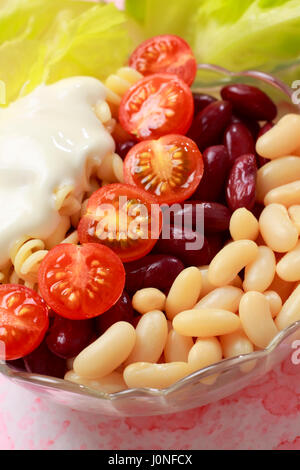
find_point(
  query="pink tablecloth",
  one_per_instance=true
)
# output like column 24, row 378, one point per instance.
column 264, row 416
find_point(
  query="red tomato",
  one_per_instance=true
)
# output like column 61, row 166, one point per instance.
column 157, row 105
column 80, row 282
column 126, row 219
column 165, row 54
column 23, row 321
column 170, row 168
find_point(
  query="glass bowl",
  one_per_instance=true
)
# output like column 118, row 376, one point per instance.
column 207, row 385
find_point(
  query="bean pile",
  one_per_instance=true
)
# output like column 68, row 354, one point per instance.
column 185, row 310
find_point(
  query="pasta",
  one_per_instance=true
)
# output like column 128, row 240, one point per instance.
column 65, row 201
column 28, row 252
column 119, row 83
column 26, row 257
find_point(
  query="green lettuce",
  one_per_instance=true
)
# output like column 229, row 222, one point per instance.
column 238, row 35
column 43, row 41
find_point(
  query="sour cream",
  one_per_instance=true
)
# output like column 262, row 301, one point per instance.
column 46, row 140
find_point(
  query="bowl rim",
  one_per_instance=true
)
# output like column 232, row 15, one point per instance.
column 217, row 368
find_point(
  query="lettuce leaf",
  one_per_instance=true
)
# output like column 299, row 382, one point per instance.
column 44, row 41
column 238, row 35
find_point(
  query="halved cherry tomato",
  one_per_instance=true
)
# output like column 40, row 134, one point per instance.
column 165, row 54
column 126, row 219
column 157, row 105
column 80, row 282
column 170, row 168
column 23, row 321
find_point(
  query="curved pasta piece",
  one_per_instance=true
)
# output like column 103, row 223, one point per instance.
column 26, row 256
column 118, row 84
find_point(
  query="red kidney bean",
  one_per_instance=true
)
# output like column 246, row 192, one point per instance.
column 241, row 184
column 121, row 311
column 257, row 210
column 261, row 161
column 158, row 271
column 67, row 338
column 176, row 245
column 268, row 126
column 210, row 123
column 252, row 125
column 216, row 166
column 250, row 101
column 216, row 216
column 136, row 320
column 201, row 101
column 216, row 243
column 43, row 361
column 122, row 148
column 17, row 364
column 238, row 141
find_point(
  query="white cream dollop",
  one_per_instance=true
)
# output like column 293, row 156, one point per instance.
column 46, row 140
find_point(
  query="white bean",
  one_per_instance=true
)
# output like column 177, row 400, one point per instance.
column 257, row 320
column 112, row 383
column 236, row 344
column 288, row 268
column 243, row 225
column 207, row 286
column 107, row 353
column 287, row 195
column 151, row 337
column 157, row 376
column 290, row 312
column 147, row 300
column 177, row 347
column 204, row 353
column 276, row 173
column 282, row 139
column 259, row 274
column 206, row 322
column 224, row 298
column 275, row 302
column 277, row 228
column 230, row 261
column 184, row 292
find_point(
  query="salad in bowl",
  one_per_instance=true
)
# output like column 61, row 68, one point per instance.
column 149, row 241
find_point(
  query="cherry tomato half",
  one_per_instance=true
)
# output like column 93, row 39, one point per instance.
column 80, row 282
column 157, row 105
column 165, row 54
column 126, row 219
column 23, row 321
column 170, row 168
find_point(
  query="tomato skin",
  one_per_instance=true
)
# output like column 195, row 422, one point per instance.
column 165, row 54
column 171, row 172
column 23, row 321
column 130, row 249
column 157, row 105
column 81, row 282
